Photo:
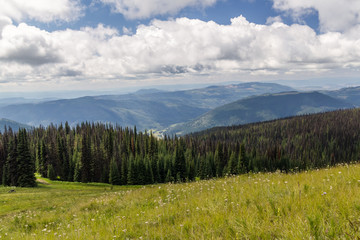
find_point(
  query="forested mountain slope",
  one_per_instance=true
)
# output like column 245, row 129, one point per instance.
column 103, row 153
column 146, row 109
column 350, row 95
column 262, row 108
column 12, row 124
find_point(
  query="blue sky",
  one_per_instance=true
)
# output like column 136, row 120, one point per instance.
column 256, row 11
column 114, row 44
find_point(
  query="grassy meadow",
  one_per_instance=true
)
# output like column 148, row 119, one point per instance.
column 319, row 204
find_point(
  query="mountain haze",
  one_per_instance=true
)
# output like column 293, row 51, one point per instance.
column 12, row 124
column 350, row 95
column 147, row 109
column 262, row 108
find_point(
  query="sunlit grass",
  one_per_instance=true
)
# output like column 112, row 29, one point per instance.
column 323, row 204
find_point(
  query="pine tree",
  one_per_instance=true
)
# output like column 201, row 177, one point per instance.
column 179, row 162
column 169, row 177
column 10, row 172
column 242, row 164
column 26, row 166
column 42, row 159
column 124, row 170
column 51, row 172
column 85, row 159
column 131, row 180
column 76, row 159
column 114, row 175
column 232, row 164
column 219, row 160
column 3, row 155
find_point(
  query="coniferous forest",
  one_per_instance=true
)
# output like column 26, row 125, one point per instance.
column 94, row 152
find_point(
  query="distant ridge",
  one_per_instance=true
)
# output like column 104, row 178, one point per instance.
column 350, row 95
column 15, row 126
column 147, row 109
column 262, row 108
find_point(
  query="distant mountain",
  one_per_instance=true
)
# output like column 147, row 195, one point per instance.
column 350, row 95
column 148, row 91
column 20, row 100
column 12, row 124
column 147, row 109
column 262, row 108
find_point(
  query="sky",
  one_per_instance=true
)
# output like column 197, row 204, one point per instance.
column 103, row 45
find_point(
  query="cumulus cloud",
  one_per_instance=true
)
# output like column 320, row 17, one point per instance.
column 334, row 15
column 271, row 20
column 41, row 10
column 140, row 9
column 28, row 45
column 175, row 47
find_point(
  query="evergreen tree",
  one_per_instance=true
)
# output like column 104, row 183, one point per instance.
column 26, row 166
column 76, row 159
column 219, row 160
column 169, row 177
column 51, row 172
column 10, row 172
column 131, row 178
column 42, row 159
column 114, row 175
column 242, row 161
column 179, row 162
column 124, row 170
column 232, row 164
column 85, row 159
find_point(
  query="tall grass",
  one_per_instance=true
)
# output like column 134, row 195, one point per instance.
column 319, row 204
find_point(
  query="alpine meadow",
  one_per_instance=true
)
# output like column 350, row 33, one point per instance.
column 196, row 119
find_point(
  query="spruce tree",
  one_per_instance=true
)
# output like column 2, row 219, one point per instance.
column 124, row 170
column 51, row 172
column 2, row 156
column 179, row 162
column 131, row 178
column 10, row 172
column 219, row 160
column 85, row 159
column 114, row 175
column 242, row 165
column 76, row 161
column 26, row 166
column 232, row 164
column 43, row 159
column 169, row 177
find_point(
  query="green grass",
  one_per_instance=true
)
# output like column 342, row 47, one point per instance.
column 319, row 204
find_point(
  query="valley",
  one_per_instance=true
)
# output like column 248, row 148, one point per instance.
column 181, row 112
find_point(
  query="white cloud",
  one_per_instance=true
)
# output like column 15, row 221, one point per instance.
column 140, row 9
column 334, row 15
column 41, row 10
column 164, row 49
column 271, row 20
column 28, row 45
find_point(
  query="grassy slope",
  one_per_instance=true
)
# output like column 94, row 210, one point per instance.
column 319, row 204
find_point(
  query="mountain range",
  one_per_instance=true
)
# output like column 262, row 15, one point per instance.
column 184, row 111
column 145, row 109
column 261, row 108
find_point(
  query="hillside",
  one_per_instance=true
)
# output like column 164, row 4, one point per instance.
column 147, row 109
column 262, row 108
column 12, row 124
column 124, row 156
column 350, row 95
column 321, row 204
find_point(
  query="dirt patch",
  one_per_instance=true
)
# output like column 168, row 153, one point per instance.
column 42, row 181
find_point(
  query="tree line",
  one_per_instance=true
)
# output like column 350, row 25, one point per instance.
column 95, row 152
